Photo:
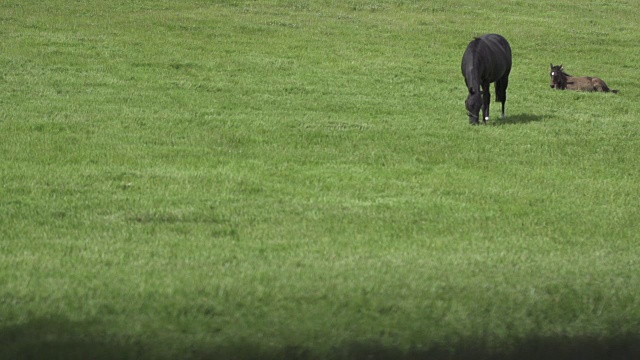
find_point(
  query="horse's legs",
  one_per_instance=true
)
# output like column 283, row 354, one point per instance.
column 486, row 100
column 501, row 92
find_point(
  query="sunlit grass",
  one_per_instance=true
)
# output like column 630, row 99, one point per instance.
column 280, row 179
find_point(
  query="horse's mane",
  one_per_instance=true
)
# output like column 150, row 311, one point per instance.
column 565, row 74
column 475, row 42
column 474, row 48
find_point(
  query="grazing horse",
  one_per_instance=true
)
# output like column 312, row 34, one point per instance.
column 561, row 80
column 486, row 60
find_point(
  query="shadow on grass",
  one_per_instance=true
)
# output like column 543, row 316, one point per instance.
column 59, row 339
column 521, row 119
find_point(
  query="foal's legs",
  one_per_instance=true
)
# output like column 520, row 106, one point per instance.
column 486, row 99
column 501, row 92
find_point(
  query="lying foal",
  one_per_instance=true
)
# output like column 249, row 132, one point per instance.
column 561, row 80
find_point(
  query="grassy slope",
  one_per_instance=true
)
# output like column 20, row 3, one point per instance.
column 198, row 175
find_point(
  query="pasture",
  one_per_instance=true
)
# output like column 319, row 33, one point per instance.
column 208, row 179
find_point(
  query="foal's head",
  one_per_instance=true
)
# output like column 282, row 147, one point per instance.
column 558, row 77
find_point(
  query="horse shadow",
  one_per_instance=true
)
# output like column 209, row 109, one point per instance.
column 521, row 119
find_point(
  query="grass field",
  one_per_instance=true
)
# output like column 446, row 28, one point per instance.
column 298, row 179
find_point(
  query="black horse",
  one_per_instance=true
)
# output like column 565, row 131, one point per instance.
column 486, row 60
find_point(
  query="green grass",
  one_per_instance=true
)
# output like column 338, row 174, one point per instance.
column 297, row 179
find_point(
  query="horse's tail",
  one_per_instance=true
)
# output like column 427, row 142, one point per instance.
column 605, row 87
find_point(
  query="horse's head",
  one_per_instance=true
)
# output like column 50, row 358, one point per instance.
column 558, row 77
column 473, row 105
